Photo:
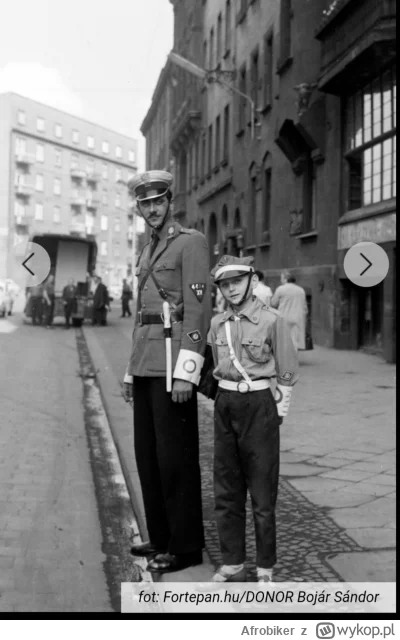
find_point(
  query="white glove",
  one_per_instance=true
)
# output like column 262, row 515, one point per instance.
column 282, row 399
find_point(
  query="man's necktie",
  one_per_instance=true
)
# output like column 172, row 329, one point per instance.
column 154, row 243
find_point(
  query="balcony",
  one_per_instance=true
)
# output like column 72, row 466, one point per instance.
column 92, row 177
column 357, row 39
column 23, row 190
column 77, row 227
column 92, row 204
column 78, row 174
column 24, row 158
column 24, row 219
column 188, row 115
column 78, row 202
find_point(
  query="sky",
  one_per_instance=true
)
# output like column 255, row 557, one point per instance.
column 94, row 58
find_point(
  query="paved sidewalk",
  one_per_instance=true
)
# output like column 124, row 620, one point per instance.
column 51, row 555
column 337, row 496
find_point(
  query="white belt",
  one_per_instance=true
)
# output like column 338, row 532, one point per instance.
column 243, row 387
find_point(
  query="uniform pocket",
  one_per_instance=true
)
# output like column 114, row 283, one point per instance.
column 257, row 350
column 166, row 264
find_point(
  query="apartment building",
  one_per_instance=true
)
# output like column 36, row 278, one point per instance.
column 62, row 174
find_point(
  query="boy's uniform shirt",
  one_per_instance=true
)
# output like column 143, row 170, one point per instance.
column 262, row 343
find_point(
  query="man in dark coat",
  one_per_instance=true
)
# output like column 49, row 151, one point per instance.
column 69, row 300
column 126, row 297
column 101, row 303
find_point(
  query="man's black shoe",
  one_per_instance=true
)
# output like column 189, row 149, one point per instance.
column 167, row 562
column 145, row 549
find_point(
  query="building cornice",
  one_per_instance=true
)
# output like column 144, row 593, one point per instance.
column 156, row 98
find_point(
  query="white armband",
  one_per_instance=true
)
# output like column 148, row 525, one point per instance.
column 188, row 366
column 282, row 399
column 128, row 379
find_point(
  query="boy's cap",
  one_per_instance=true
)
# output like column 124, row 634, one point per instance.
column 232, row 267
column 150, row 184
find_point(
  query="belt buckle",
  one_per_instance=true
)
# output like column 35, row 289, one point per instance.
column 246, row 389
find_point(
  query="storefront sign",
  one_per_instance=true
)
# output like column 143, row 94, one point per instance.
column 379, row 229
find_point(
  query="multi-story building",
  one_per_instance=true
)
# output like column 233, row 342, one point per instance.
column 276, row 153
column 62, row 174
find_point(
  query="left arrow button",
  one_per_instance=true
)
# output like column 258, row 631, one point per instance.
column 36, row 264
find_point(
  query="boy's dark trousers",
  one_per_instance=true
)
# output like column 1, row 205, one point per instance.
column 246, row 456
column 37, row 310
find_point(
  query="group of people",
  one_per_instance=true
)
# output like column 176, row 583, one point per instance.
column 255, row 365
column 41, row 299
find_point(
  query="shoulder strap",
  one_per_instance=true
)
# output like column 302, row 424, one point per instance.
column 232, row 353
column 150, row 274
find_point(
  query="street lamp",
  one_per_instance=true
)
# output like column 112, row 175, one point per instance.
column 212, row 75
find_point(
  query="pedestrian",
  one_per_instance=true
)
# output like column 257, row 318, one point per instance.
column 262, row 291
column 49, row 295
column 173, row 268
column 36, row 301
column 101, row 303
column 290, row 300
column 125, row 298
column 251, row 345
column 69, row 301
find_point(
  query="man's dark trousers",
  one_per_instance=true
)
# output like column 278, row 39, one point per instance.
column 50, row 310
column 167, row 456
column 37, row 310
column 69, row 308
column 246, row 456
column 125, row 306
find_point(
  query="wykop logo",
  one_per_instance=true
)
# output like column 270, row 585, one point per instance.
column 325, row 630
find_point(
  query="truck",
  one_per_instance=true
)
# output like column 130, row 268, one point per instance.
column 70, row 257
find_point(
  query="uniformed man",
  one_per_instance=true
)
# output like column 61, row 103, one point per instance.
column 173, row 267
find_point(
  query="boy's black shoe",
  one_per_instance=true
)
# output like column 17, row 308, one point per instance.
column 145, row 549
column 168, row 562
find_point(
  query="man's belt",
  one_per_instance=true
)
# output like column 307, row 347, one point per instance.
column 158, row 318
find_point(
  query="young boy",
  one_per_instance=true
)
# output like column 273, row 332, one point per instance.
column 251, row 344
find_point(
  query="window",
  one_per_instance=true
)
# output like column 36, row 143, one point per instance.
column 58, row 131
column 242, row 99
column 56, row 214
column 20, row 146
column 131, row 155
column 89, row 222
column 203, row 156
column 104, row 223
column 370, row 143
column 118, row 174
column 105, row 147
column 117, row 224
column 40, row 124
column 217, row 141
column 104, row 172
column 74, row 161
column 267, row 190
column 210, row 148
column 21, row 117
column 39, row 183
column 90, row 142
column 40, row 152
column 117, row 249
column 268, row 69
column 57, row 157
column 226, row 134
column 196, row 162
column 118, row 151
column 19, row 209
column 38, row 211
column 211, row 51
column 205, row 59
column 90, row 166
column 103, row 248
column 118, row 200
column 252, row 210
column 286, row 31
column 219, row 38
column 104, row 197
column 254, row 77
column 57, row 186
column 75, row 136
column 309, row 195
column 228, row 19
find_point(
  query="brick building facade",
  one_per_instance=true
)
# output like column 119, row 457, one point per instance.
column 272, row 167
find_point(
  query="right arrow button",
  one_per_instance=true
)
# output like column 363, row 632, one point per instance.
column 377, row 264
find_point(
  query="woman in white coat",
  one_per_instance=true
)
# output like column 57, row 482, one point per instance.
column 290, row 299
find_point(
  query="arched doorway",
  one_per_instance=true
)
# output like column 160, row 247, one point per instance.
column 212, row 238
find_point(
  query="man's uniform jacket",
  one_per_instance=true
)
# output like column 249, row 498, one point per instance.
column 181, row 267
